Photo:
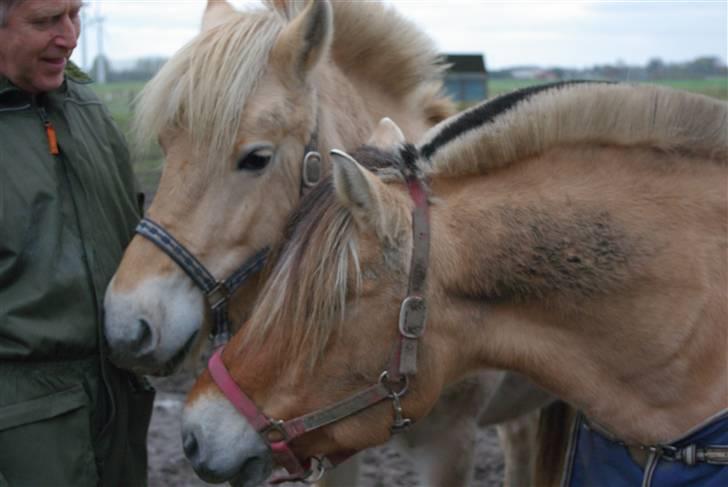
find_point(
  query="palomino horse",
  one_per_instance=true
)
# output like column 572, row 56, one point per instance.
column 240, row 113
column 577, row 235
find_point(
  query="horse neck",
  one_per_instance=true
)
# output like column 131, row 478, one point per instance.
column 646, row 337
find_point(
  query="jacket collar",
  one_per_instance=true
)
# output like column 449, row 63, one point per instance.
column 6, row 86
column 8, row 91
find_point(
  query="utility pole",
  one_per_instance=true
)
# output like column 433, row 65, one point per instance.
column 87, row 22
column 101, row 64
column 84, row 50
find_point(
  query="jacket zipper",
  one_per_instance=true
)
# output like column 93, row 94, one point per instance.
column 50, row 132
column 100, row 428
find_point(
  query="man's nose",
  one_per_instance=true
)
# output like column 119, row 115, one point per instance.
column 67, row 33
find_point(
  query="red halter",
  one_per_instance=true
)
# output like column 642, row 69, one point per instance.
column 278, row 434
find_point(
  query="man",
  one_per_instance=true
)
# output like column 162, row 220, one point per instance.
column 67, row 210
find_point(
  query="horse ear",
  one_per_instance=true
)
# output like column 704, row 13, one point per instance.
column 387, row 135
column 216, row 13
column 356, row 188
column 304, row 41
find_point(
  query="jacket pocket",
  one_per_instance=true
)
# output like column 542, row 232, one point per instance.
column 47, row 441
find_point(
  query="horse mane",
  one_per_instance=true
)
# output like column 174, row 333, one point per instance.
column 307, row 286
column 372, row 41
column 529, row 122
column 203, row 87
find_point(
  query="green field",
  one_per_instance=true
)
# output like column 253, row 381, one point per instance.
column 119, row 97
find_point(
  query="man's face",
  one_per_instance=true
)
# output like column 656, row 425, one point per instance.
column 36, row 42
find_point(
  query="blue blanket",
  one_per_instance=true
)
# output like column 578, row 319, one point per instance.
column 595, row 460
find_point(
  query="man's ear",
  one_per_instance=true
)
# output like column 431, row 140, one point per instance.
column 357, row 189
column 387, row 135
column 216, row 13
column 304, row 42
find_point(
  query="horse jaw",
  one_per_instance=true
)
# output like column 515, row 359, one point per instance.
column 221, row 445
column 151, row 327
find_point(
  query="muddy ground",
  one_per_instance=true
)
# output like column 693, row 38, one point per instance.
column 382, row 467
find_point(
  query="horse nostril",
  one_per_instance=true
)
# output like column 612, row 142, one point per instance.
column 143, row 335
column 189, row 445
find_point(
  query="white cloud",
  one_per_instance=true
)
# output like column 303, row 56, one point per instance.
column 567, row 33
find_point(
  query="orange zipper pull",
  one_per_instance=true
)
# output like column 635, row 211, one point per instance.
column 52, row 138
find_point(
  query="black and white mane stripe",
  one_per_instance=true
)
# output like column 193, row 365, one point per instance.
column 484, row 113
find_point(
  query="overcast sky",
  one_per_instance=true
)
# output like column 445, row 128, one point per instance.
column 562, row 33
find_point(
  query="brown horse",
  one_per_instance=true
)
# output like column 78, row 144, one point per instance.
column 236, row 111
column 578, row 235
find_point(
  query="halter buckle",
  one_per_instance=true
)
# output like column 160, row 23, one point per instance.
column 311, row 173
column 218, row 295
column 412, row 317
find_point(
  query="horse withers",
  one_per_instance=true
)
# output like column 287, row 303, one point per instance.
column 576, row 234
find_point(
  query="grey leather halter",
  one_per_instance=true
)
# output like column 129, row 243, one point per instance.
column 218, row 292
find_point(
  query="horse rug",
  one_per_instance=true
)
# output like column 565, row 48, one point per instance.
column 700, row 458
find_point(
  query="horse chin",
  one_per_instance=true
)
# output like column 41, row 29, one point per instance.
column 254, row 472
column 152, row 367
column 175, row 363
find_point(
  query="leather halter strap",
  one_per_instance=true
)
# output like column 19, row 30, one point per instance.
column 217, row 293
column 278, row 433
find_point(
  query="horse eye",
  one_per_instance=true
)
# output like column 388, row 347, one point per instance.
column 255, row 157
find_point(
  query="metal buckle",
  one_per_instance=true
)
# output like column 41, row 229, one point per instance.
column 218, row 295
column 311, row 173
column 412, row 316
column 275, row 426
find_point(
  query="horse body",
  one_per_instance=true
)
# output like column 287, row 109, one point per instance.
column 578, row 236
column 234, row 111
column 585, row 260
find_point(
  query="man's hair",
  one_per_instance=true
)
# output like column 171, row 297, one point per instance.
column 5, row 7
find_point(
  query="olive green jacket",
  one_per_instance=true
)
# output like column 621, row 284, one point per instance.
column 67, row 210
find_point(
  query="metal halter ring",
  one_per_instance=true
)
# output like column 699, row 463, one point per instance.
column 319, row 466
column 275, row 428
column 383, row 379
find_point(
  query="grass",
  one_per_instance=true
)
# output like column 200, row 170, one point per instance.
column 119, row 98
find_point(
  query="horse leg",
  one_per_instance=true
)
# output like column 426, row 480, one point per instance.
column 518, row 441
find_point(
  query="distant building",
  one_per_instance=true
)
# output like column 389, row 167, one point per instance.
column 466, row 80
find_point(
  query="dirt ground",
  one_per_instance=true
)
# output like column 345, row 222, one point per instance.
column 382, row 467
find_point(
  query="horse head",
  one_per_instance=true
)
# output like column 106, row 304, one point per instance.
column 244, row 114
column 221, row 164
column 349, row 250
